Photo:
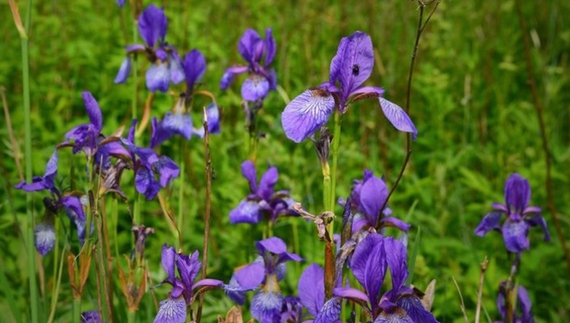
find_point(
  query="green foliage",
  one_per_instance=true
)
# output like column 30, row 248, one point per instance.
column 470, row 102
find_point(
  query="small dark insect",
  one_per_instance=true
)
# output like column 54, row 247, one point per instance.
column 355, row 70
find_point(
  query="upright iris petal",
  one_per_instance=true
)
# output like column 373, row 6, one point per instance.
column 152, row 25
column 44, row 238
column 194, row 68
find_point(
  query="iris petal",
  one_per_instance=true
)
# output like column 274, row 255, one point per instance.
column 172, row 310
column 158, row 77
column 152, row 25
column 124, row 71
column 44, row 238
column 398, row 117
column 307, row 113
column 515, row 234
column 255, row 87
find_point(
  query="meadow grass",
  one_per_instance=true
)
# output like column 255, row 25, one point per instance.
column 470, row 101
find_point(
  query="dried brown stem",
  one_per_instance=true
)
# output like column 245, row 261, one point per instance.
column 480, row 291
column 539, row 108
column 207, row 211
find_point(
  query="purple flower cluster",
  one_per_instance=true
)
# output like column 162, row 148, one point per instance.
column 109, row 156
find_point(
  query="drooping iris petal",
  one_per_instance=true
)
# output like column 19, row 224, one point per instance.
column 175, row 68
column 537, row 219
column 158, row 77
column 490, row 222
column 246, row 46
column 229, row 75
column 245, row 212
column 398, row 117
column 515, row 234
column 44, row 238
column 213, row 115
column 172, row 310
column 351, row 293
column 272, row 79
column 330, row 312
column 167, row 170
column 353, row 62
column 266, row 306
column 312, row 288
column 517, row 193
column 254, row 88
column 525, row 304
column 306, row 113
column 194, row 67
column 146, row 184
column 373, row 194
column 267, row 183
column 178, row 123
column 124, row 71
column 415, row 309
column 396, row 223
column 152, row 25
column 396, row 315
column 45, row 182
column 159, row 133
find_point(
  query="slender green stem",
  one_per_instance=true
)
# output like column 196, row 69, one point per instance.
column 76, row 310
column 334, row 156
column 180, row 220
column 34, row 299
column 135, row 76
column 131, row 317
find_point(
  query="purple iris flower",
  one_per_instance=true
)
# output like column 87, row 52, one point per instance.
column 371, row 260
column 259, row 54
column 86, row 136
column 312, row 294
column 523, row 304
column 367, row 198
column 349, row 69
column 121, row 3
column 520, row 216
column 265, row 273
column 44, row 232
column 166, row 65
column 263, row 200
column 147, row 166
column 173, row 309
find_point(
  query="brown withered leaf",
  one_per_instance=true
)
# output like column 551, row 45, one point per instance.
column 233, row 316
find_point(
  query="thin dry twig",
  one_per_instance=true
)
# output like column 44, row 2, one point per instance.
column 480, row 291
column 207, row 211
column 461, row 299
column 13, row 141
column 539, row 108
column 421, row 27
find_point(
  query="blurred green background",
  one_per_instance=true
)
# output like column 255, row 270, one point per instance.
column 470, row 102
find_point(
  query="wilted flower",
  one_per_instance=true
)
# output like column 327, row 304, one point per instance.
column 264, row 273
column 166, row 65
column 369, row 264
column 368, row 197
column 173, row 309
column 263, row 200
column 349, row 69
column 520, row 216
column 259, row 55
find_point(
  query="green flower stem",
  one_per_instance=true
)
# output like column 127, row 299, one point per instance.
column 329, row 188
column 180, row 219
column 31, row 252
column 76, row 310
column 131, row 317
